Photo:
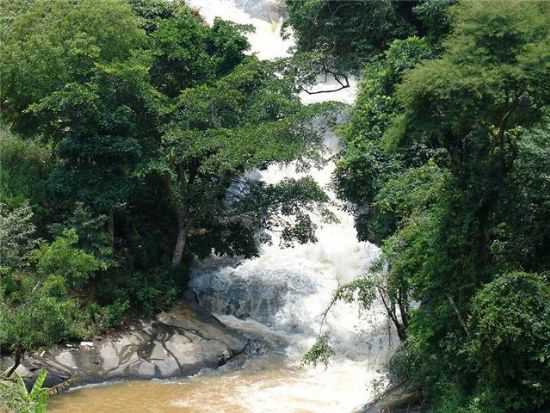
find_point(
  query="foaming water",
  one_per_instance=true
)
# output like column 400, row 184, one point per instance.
column 280, row 296
column 271, row 387
column 266, row 41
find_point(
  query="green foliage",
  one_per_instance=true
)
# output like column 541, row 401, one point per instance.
column 38, row 314
column 335, row 38
column 521, row 238
column 365, row 163
column 24, row 169
column 34, row 65
column 446, row 164
column 91, row 231
column 266, row 206
column 495, row 59
column 17, row 236
column 511, row 321
column 434, row 18
column 62, row 257
column 148, row 124
column 14, row 396
column 36, row 307
column 247, row 119
column 320, row 352
column 188, row 53
column 138, row 294
column 344, row 33
column 112, row 315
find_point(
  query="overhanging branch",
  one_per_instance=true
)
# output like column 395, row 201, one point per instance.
column 342, row 80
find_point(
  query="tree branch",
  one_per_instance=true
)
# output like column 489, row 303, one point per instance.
column 459, row 316
column 343, row 85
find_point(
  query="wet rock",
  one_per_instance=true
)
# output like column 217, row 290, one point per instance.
column 258, row 297
column 268, row 10
column 398, row 399
column 176, row 343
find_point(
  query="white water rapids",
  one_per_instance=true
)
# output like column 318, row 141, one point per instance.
column 287, row 290
column 280, row 295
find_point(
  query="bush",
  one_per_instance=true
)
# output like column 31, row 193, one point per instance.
column 511, row 340
column 14, row 396
column 144, row 293
column 63, row 257
column 25, row 166
column 113, row 315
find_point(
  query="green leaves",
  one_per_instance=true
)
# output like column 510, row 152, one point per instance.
column 188, row 53
column 39, row 394
column 62, row 257
column 511, row 321
column 477, row 85
column 39, row 314
column 14, row 395
column 17, row 237
column 25, row 166
column 345, row 34
column 50, row 44
column 35, row 305
column 446, row 164
column 320, row 352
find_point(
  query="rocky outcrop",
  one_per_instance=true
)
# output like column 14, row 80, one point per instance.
column 397, row 399
column 176, row 343
column 268, row 10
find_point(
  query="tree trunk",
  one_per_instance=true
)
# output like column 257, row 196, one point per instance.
column 111, row 225
column 390, row 310
column 18, row 358
column 180, row 240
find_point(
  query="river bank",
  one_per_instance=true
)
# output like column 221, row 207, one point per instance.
column 176, row 343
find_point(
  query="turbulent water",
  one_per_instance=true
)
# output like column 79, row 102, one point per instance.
column 280, row 295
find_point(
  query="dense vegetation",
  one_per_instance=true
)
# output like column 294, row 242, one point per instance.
column 446, row 166
column 127, row 128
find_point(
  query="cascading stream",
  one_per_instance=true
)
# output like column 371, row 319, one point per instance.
column 288, row 289
column 280, row 295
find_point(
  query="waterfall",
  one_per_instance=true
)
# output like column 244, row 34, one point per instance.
column 284, row 291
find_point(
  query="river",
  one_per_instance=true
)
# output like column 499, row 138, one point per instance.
column 280, row 295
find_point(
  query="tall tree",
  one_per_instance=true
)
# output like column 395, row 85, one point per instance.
column 337, row 38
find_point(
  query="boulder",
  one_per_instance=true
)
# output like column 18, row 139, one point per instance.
column 176, row 343
column 397, row 399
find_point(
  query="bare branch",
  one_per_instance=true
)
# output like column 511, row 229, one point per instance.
column 459, row 316
column 343, row 84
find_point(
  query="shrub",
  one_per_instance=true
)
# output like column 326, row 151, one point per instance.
column 14, row 396
column 25, row 166
column 511, row 340
column 63, row 257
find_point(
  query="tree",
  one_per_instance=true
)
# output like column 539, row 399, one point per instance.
column 337, row 38
column 521, row 238
column 35, row 66
column 24, row 171
column 511, row 321
column 35, row 306
column 138, row 125
column 365, row 164
column 17, row 236
column 62, row 257
column 245, row 120
column 36, row 314
column 442, row 160
column 345, row 32
column 90, row 97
